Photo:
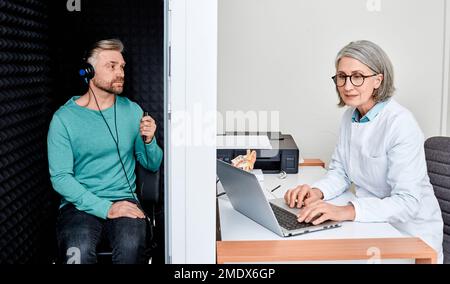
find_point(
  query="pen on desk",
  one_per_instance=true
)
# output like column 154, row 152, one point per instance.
column 277, row 187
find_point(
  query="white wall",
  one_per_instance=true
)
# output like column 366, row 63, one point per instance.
column 279, row 55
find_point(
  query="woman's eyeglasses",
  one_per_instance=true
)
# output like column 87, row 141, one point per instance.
column 356, row 79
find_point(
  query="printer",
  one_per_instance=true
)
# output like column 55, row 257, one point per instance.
column 283, row 155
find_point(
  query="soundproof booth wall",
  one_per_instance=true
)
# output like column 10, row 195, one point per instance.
column 42, row 43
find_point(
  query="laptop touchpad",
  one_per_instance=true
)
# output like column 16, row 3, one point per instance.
column 282, row 204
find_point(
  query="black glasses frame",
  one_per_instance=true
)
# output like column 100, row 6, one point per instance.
column 351, row 81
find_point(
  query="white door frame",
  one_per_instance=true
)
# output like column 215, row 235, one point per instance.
column 190, row 159
column 445, row 117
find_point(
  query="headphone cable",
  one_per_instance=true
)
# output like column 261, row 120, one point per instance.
column 116, row 142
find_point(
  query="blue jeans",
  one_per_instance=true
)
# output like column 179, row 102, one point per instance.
column 79, row 233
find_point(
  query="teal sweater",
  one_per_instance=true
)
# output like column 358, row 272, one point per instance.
column 83, row 161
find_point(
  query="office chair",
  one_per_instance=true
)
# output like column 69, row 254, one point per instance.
column 437, row 154
column 147, row 191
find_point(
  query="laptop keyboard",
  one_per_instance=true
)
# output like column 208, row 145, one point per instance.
column 287, row 219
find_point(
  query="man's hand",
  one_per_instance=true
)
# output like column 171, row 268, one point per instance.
column 321, row 211
column 302, row 195
column 147, row 128
column 124, row 209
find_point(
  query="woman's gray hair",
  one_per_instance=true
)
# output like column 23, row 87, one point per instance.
column 377, row 60
column 106, row 44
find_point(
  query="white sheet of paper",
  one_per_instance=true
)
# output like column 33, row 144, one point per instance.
column 243, row 142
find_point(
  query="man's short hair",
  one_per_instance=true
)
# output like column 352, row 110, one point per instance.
column 106, row 44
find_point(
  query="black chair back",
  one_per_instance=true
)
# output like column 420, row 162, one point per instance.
column 437, row 153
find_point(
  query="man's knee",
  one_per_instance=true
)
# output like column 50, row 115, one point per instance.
column 129, row 251
column 129, row 247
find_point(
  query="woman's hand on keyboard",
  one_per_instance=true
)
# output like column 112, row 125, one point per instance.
column 321, row 211
column 302, row 195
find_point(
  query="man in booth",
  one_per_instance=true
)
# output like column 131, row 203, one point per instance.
column 93, row 143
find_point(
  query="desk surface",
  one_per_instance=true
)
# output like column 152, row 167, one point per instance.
column 240, row 234
column 236, row 226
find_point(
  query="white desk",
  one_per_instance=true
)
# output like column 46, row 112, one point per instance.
column 239, row 233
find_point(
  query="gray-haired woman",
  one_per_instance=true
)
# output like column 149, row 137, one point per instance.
column 380, row 150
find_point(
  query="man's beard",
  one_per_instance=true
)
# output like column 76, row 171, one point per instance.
column 110, row 87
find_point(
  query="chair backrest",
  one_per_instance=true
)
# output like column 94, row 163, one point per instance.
column 437, row 153
column 147, row 185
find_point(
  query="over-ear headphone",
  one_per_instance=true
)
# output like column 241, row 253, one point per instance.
column 86, row 71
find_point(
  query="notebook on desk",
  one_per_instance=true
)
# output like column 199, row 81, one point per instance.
column 247, row 197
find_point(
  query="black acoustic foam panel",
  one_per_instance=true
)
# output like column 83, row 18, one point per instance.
column 26, row 211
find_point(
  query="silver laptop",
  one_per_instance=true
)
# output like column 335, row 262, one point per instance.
column 247, row 197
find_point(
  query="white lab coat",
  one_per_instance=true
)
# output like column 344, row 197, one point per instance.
column 385, row 159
